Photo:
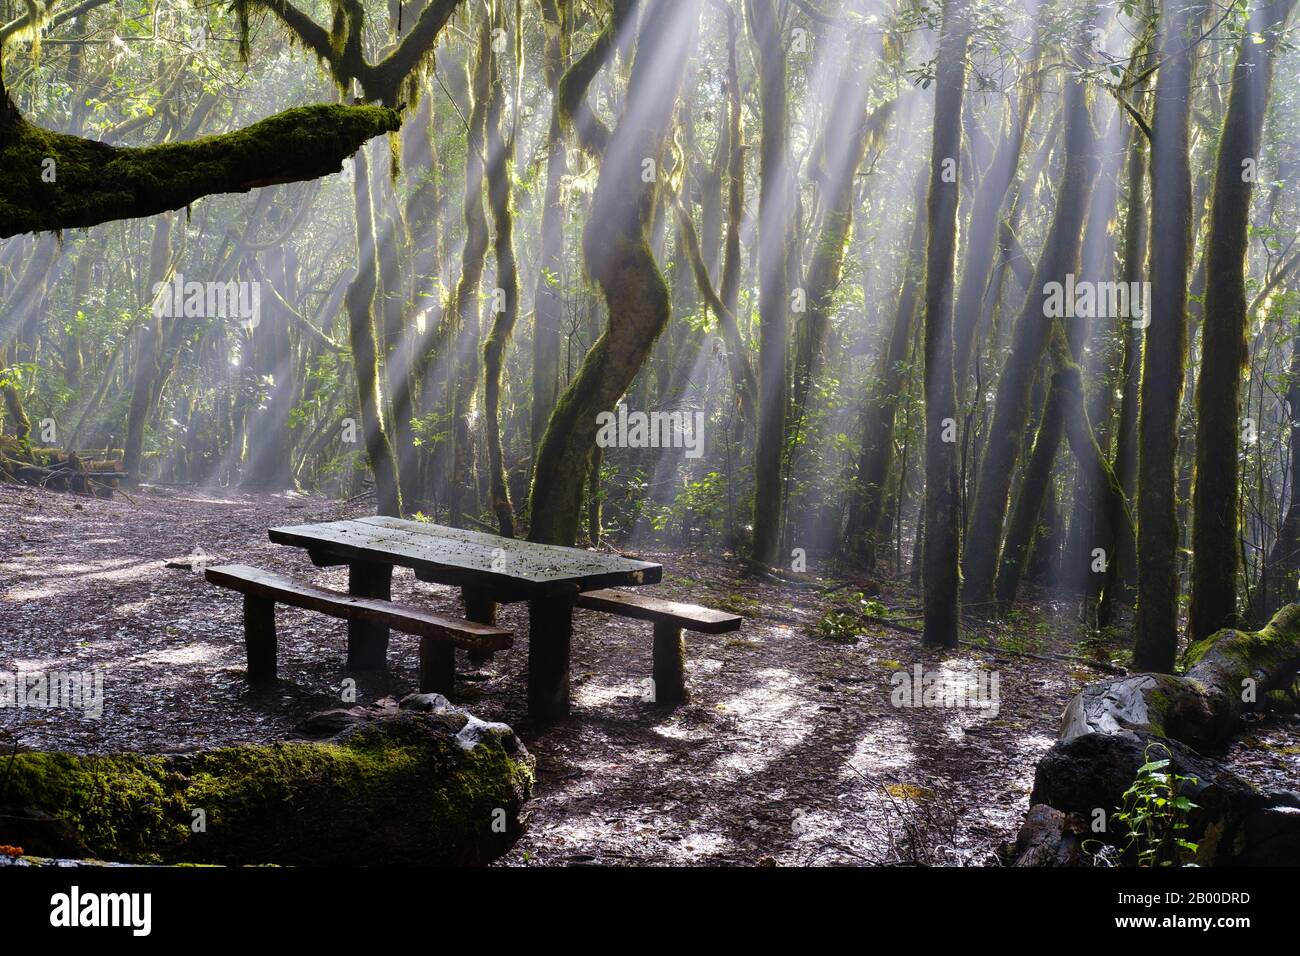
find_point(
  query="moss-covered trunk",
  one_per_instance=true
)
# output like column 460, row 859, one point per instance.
column 1166, row 341
column 1215, row 495
column 941, row 546
column 618, row 255
column 465, row 305
column 506, row 311
column 776, row 216
column 408, row 788
column 1121, row 571
column 360, row 303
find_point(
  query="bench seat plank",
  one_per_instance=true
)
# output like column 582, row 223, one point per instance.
column 691, row 617
column 282, row 590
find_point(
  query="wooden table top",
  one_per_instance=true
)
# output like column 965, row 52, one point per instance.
column 507, row 568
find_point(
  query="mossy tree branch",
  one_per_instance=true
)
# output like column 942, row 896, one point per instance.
column 340, row 49
column 93, row 182
column 575, row 112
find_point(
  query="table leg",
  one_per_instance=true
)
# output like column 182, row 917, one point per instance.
column 550, row 628
column 481, row 609
column 669, row 665
column 437, row 666
column 368, row 642
column 259, row 636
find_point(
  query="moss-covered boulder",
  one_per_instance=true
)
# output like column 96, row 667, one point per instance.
column 1113, row 727
column 426, row 784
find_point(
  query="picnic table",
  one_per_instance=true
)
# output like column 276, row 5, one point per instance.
column 489, row 569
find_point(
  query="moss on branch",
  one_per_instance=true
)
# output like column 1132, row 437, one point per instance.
column 54, row 181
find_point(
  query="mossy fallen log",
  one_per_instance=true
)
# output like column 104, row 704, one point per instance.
column 1113, row 727
column 429, row 784
column 49, row 468
column 55, row 181
column 1229, row 673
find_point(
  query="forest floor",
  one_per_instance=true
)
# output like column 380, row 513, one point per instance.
column 790, row 751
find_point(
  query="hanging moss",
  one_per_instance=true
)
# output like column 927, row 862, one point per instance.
column 54, row 181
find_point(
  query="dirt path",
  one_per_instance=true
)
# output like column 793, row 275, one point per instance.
column 790, row 752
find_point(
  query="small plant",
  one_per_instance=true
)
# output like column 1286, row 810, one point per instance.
column 1155, row 813
column 838, row 626
column 842, row 624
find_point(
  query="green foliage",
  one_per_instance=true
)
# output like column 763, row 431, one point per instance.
column 843, row 624
column 1155, row 813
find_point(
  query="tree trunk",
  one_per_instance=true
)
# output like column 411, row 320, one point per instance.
column 775, row 215
column 1215, row 496
column 880, row 411
column 548, row 308
column 1166, row 343
column 466, row 302
column 148, row 356
column 942, row 502
column 360, row 303
column 618, row 255
column 1029, row 340
column 500, row 183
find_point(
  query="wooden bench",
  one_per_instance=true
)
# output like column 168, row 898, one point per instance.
column 439, row 635
column 670, row 619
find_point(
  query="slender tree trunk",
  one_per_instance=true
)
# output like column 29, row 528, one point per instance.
column 466, row 302
column 942, row 502
column 1166, row 343
column 1121, row 569
column 880, row 411
column 148, row 353
column 500, row 183
column 1029, row 340
column 775, row 214
column 548, row 307
column 360, row 304
column 1215, row 533
column 1278, row 580
column 986, row 207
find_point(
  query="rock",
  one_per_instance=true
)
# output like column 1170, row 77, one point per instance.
column 1049, row 838
column 1093, row 771
column 389, row 787
column 1272, row 834
column 1112, row 727
column 331, row 723
column 428, row 704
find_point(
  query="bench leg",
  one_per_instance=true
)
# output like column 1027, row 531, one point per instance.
column 259, row 636
column 550, row 627
column 481, row 609
column 670, row 665
column 368, row 642
column 437, row 666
